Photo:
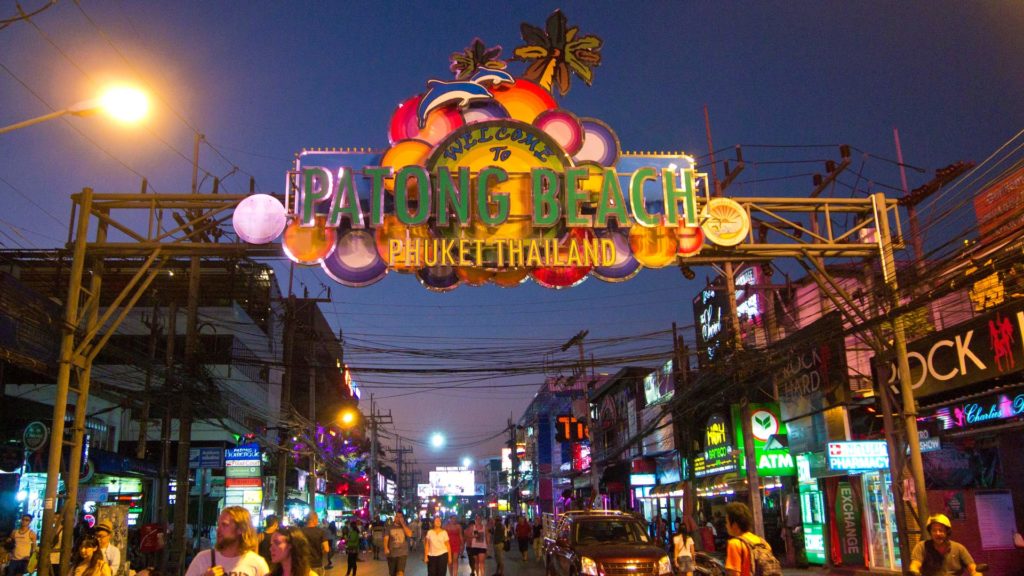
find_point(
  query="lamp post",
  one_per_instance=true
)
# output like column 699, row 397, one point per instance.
column 124, row 104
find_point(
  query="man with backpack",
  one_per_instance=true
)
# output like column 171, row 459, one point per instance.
column 746, row 553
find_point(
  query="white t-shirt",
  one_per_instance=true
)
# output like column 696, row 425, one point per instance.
column 248, row 564
column 113, row 555
column 435, row 541
column 682, row 548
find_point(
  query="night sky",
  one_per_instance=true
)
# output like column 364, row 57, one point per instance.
column 263, row 80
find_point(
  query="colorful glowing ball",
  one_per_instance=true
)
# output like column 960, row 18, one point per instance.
column 510, row 278
column 691, row 240
column 405, row 122
column 626, row 265
column 653, row 247
column 564, row 127
column 410, row 255
column 404, row 153
column 473, row 276
column 355, row 261
column 558, row 277
column 259, row 219
column 483, row 111
column 309, row 245
column 438, row 278
column 600, row 144
column 523, row 100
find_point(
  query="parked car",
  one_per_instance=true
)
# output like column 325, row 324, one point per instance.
column 602, row 543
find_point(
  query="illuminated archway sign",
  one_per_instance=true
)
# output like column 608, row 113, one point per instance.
column 488, row 180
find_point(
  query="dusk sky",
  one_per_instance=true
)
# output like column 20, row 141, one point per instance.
column 790, row 81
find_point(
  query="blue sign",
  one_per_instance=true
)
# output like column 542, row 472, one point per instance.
column 205, row 458
column 871, row 455
column 244, row 452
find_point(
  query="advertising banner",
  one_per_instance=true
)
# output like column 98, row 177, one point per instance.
column 989, row 346
column 812, row 375
column 851, row 535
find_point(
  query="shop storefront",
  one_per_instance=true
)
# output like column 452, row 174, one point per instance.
column 969, row 386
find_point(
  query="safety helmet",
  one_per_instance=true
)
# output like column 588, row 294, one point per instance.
column 939, row 519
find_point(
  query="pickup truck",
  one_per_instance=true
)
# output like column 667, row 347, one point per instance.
column 601, row 543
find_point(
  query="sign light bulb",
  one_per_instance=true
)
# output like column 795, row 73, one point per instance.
column 125, row 104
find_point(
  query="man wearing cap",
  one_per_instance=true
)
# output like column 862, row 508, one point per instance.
column 940, row 556
column 103, row 531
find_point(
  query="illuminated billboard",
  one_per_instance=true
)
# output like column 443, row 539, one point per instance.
column 452, row 481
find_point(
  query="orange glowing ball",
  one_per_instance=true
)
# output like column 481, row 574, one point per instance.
column 565, row 276
column 524, row 100
column 409, row 255
column 404, row 153
column 473, row 276
column 309, row 245
column 511, row 277
column 690, row 238
column 653, row 247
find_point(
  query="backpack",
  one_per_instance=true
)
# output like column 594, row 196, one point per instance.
column 762, row 561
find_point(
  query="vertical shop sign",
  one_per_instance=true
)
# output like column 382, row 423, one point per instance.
column 851, row 536
column 813, row 376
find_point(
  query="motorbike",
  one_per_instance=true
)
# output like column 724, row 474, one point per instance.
column 707, row 565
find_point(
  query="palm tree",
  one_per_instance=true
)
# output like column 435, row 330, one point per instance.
column 473, row 58
column 556, row 51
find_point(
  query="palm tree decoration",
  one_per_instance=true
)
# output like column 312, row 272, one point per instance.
column 476, row 56
column 557, row 50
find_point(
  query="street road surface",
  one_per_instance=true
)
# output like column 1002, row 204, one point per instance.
column 514, row 566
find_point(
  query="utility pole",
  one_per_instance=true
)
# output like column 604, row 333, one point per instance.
column 403, row 475
column 375, row 421
column 284, row 433
column 513, row 497
column 900, row 350
column 154, row 332
column 579, row 373
column 753, row 479
column 163, row 490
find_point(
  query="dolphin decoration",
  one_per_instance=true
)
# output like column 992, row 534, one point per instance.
column 442, row 93
column 495, row 77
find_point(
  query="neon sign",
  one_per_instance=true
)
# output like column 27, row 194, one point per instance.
column 488, row 180
column 983, row 411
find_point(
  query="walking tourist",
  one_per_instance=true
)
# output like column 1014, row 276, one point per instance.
column 437, row 548
column 454, row 531
column 289, row 552
column 104, row 531
column 319, row 545
column 271, row 525
column 89, row 560
column 235, row 551
column 352, row 541
column 683, row 550
column 523, row 534
column 396, row 545
column 476, row 546
column 499, row 539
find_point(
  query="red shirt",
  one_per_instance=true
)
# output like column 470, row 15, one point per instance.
column 454, row 537
column 524, row 531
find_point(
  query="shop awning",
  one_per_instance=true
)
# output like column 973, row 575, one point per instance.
column 666, row 489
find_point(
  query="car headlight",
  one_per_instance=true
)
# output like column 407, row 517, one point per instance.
column 664, row 565
column 588, row 566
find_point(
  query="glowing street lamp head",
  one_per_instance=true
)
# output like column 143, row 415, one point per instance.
column 437, row 440
column 348, row 417
column 125, row 104
column 467, row 462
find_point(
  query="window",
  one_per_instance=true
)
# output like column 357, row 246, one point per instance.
column 609, row 531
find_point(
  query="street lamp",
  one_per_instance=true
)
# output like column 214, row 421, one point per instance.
column 467, row 462
column 437, row 440
column 348, row 417
column 123, row 103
